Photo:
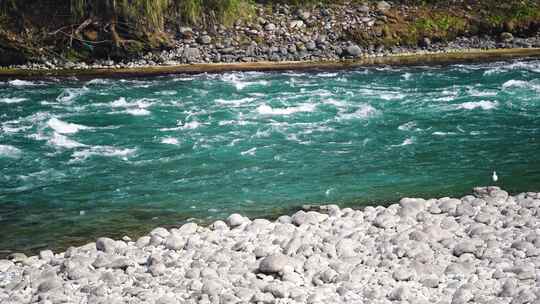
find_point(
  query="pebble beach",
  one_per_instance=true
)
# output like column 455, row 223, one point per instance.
column 481, row 248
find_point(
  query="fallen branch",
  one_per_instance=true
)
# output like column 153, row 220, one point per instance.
column 83, row 40
column 81, row 27
column 61, row 29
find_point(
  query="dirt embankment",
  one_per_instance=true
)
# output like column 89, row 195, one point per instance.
column 48, row 34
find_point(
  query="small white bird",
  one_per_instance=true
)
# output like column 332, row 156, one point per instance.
column 495, row 178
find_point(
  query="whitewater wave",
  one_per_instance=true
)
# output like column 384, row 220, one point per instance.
column 476, row 93
column 107, row 151
column 406, row 76
column 439, row 133
column 263, row 133
column 12, row 100
column 61, row 141
column 409, row 126
column 135, row 108
column 239, row 83
column 62, row 127
column 363, row 112
column 138, row 112
column 268, row 110
column 531, row 66
column 235, row 102
column 10, row 151
column 391, row 95
column 7, row 128
column 234, row 123
column 169, row 141
column 327, row 75
column 446, row 98
column 249, row 152
column 406, row 142
column 120, row 102
column 183, row 79
column 20, row 83
column 515, row 83
column 167, row 93
column 139, row 103
column 336, row 103
column 483, row 104
column 191, row 125
column 98, row 81
column 70, row 94
column 534, row 85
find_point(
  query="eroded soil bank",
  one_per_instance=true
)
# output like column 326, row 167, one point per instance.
column 56, row 34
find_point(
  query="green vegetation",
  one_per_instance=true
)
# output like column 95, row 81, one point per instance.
column 205, row 12
column 151, row 14
column 79, row 29
column 511, row 15
column 440, row 26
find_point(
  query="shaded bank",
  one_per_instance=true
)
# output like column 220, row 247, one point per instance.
column 64, row 33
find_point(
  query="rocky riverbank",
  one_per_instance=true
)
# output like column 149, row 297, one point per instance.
column 319, row 33
column 482, row 248
column 419, row 58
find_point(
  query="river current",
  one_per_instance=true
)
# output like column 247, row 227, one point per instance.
column 109, row 157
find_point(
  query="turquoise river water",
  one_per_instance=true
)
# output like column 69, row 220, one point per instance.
column 110, row 157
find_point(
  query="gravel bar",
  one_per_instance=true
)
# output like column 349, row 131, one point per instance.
column 482, row 248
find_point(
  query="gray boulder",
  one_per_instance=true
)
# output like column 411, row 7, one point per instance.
column 383, row 6
column 270, row 27
column 212, row 287
column 49, row 284
column 311, row 46
column 205, row 39
column 185, row 32
column 506, row 37
column 465, row 247
column 5, row 265
column 175, row 242
column 235, row 220
column 106, row 245
column 275, row 264
column 354, row 50
column 191, row 54
column 46, row 255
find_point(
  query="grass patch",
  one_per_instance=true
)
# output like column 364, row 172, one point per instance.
column 440, row 26
column 517, row 14
column 207, row 12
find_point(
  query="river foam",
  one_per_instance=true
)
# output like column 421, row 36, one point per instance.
column 136, row 107
column 70, row 94
column 20, row 83
column 104, row 151
column 62, row 141
column 63, row 127
column 268, row 110
column 169, row 141
column 362, row 112
column 10, row 100
column 483, row 104
column 10, row 151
